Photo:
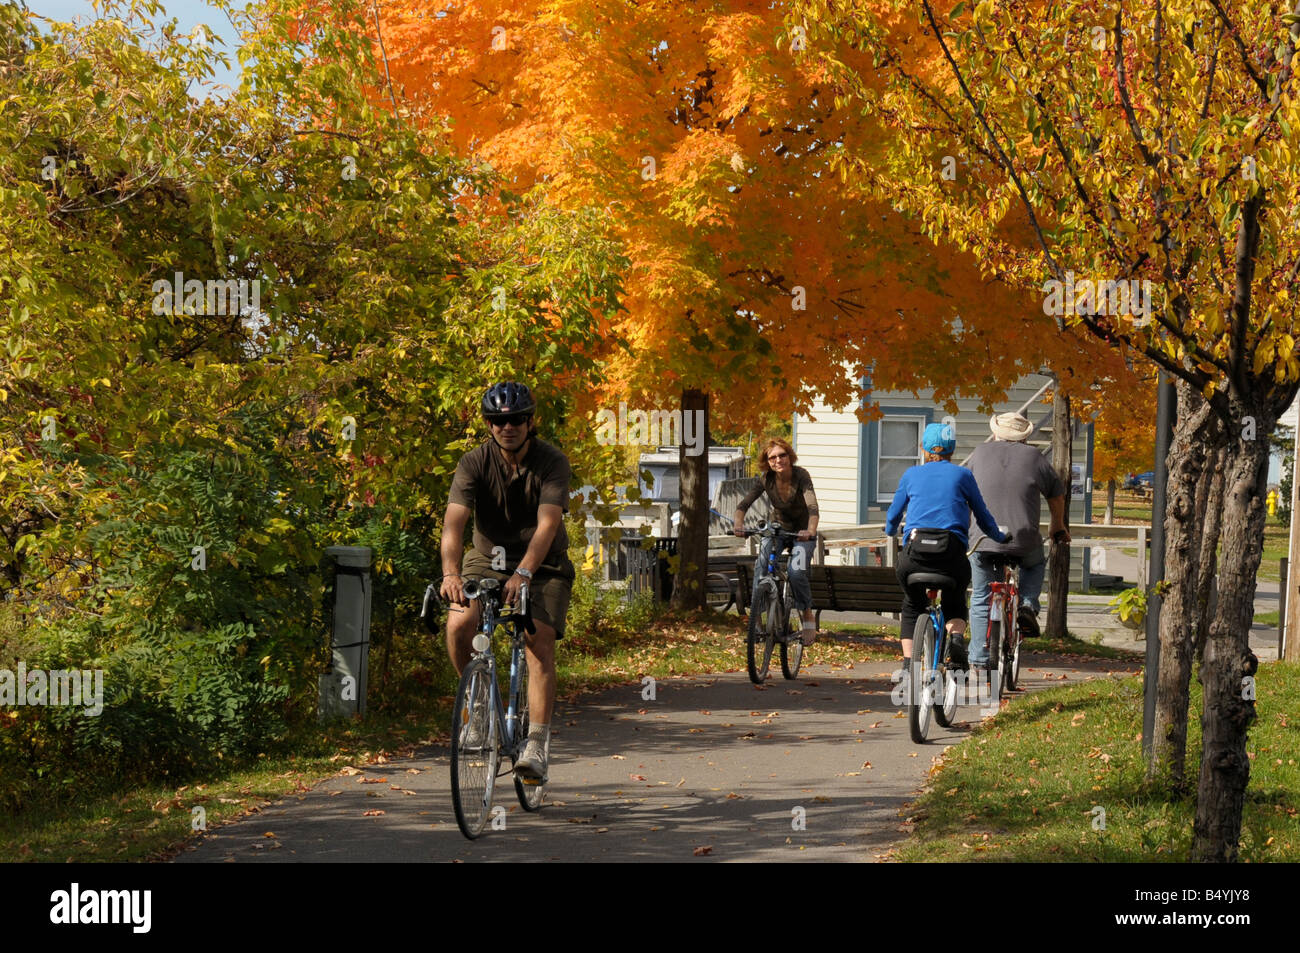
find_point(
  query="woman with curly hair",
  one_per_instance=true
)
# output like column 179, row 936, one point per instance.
column 789, row 490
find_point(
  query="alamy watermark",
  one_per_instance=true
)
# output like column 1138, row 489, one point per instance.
column 58, row 687
column 1102, row 297
column 228, row 296
column 663, row 428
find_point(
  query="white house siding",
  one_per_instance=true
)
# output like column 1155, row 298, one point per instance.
column 833, row 450
column 828, row 449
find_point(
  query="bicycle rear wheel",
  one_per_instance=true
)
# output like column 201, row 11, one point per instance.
column 997, row 671
column 791, row 642
column 762, row 634
column 530, row 795
column 474, row 747
column 920, row 701
column 945, row 708
column 1011, row 654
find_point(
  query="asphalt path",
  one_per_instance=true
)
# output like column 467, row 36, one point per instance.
column 712, row 769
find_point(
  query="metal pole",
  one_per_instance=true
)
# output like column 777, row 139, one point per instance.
column 1165, row 409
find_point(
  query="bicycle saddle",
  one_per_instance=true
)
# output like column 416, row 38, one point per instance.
column 931, row 579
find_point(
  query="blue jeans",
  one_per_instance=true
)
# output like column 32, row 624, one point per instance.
column 800, row 588
column 981, row 575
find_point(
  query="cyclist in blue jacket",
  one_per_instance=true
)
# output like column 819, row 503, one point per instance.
column 939, row 498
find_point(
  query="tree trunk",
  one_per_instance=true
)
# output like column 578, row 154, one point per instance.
column 693, row 536
column 1058, row 560
column 1213, row 523
column 1229, row 697
column 1178, row 606
column 1109, row 519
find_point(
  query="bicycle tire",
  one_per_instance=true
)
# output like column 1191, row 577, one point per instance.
column 473, row 767
column 530, row 795
column 791, row 643
column 1011, row 657
column 994, row 647
column 758, row 652
column 945, row 709
column 919, row 703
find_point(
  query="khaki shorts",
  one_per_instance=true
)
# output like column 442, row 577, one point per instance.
column 548, row 591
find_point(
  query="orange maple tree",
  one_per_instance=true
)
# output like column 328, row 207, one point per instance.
column 757, row 277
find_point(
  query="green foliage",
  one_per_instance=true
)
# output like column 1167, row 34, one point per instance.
column 134, row 429
column 1130, row 606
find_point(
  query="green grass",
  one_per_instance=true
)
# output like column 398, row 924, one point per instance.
column 1072, row 646
column 153, row 822
column 1266, row 618
column 1275, row 536
column 1025, row 785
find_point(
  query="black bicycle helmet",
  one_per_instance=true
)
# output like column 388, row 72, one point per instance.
column 508, row 397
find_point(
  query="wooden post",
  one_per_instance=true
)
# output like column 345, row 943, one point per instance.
column 1281, row 606
column 1142, row 558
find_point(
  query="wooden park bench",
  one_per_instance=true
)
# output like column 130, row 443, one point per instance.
column 836, row 588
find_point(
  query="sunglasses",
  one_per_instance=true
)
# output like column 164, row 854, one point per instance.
column 778, row 456
column 514, row 420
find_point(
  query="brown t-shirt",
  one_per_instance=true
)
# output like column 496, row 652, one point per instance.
column 505, row 502
column 794, row 513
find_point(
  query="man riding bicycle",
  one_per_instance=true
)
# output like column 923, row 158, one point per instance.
column 517, row 488
column 1013, row 478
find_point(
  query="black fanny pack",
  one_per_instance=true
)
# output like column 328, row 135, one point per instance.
column 929, row 542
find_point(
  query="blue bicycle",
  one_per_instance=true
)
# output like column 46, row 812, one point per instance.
column 932, row 687
column 482, row 727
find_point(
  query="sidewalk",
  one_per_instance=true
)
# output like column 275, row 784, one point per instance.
column 1088, row 617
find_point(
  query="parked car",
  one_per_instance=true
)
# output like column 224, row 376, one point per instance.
column 1140, row 481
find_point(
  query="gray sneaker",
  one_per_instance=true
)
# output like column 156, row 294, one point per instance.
column 531, row 766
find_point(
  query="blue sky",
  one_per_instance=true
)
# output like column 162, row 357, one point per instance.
column 189, row 14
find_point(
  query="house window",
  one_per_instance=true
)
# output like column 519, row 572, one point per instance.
column 900, row 438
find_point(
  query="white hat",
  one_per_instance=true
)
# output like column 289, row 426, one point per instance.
column 1010, row 426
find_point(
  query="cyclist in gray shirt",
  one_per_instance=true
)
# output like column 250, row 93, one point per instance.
column 1013, row 478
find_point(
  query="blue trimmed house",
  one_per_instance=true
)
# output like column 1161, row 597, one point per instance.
column 855, row 467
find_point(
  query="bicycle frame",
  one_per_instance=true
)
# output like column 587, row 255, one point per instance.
column 507, row 714
column 780, row 579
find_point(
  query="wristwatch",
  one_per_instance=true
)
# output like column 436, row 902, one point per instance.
column 523, row 572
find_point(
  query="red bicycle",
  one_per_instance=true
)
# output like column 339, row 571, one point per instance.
column 1004, row 627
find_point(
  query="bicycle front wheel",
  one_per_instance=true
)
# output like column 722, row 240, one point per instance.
column 530, row 795
column 920, row 690
column 791, row 642
column 474, row 751
column 762, row 635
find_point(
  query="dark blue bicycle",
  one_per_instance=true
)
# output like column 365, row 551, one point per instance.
column 769, row 612
column 482, row 727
